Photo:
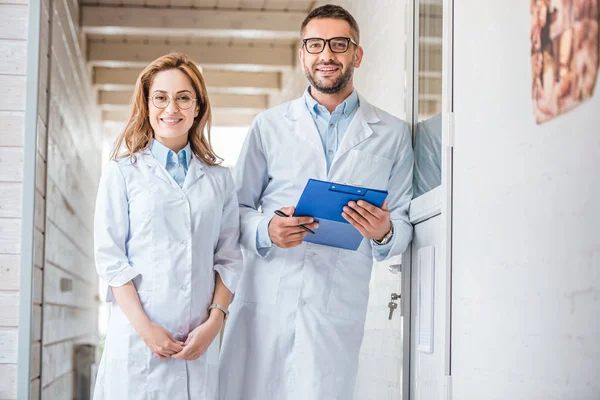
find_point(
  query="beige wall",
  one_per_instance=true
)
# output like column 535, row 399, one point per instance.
column 381, row 80
column 13, row 49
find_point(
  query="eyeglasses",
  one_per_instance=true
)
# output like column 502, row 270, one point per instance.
column 336, row 44
column 182, row 101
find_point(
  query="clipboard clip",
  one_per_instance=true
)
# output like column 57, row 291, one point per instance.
column 343, row 188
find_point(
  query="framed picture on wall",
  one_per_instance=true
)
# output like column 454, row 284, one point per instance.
column 564, row 55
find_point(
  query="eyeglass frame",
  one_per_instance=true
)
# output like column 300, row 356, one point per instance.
column 151, row 98
column 327, row 42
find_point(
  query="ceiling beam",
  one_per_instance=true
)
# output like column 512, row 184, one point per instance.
column 196, row 22
column 238, row 57
column 246, row 103
column 113, row 118
column 216, row 80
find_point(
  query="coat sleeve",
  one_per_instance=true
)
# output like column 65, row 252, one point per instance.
column 228, row 256
column 400, row 195
column 251, row 178
column 111, row 231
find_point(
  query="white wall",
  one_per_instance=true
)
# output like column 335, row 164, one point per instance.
column 13, row 54
column 381, row 80
column 73, row 163
column 526, row 247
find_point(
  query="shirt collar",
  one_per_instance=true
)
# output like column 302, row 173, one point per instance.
column 346, row 107
column 161, row 152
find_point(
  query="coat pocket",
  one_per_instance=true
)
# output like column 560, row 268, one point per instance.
column 350, row 287
column 366, row 169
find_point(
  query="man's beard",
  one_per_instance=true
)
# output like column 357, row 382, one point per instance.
column 337, row 86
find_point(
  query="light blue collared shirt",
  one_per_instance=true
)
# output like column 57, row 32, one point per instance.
column 332, row 127
column 176, row 164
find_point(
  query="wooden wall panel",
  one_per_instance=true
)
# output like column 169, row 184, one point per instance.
column 34, row 389
column 36, row 355
column 13, row 56
column 8, row 346
column 79, row 295
column 8, row 381
column 10, row 236
column 60, row 389
column 11, row 128
column 11, row 160
column 9, row 309
column 10, row 200
column 14, row 21
column 9, row 272
column 63, row 323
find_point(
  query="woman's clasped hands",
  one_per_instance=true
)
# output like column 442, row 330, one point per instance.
column 164, row 345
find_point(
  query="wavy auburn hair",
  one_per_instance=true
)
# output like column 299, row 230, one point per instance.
column 138, row 133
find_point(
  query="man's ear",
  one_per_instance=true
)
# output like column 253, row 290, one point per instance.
column 359, row 56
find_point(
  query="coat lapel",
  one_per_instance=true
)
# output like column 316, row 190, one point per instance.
column 195, row 172
column 359, row 129
column 303, row 126
column 153, row 167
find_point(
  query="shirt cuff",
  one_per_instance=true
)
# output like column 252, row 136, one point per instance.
column 263, row 240
column 381, row 251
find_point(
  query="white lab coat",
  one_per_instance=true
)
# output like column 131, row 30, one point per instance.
column 296, row 324
column 170, row 240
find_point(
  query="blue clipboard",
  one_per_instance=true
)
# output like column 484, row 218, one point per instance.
column 325, row 201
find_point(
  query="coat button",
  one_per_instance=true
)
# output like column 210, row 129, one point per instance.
column 184, row 242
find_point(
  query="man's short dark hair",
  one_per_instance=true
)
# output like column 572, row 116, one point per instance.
column 333, row 12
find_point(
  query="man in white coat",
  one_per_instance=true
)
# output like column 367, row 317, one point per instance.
column 297, row 321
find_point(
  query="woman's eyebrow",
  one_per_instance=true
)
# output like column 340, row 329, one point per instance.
column 164, row 91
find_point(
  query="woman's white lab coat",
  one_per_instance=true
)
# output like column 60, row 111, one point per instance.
column 296, row 324
column 171, row 241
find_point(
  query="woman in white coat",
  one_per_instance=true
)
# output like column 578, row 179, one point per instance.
column 166, row 237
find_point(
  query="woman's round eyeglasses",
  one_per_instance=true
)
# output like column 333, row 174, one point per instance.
column 182, row 101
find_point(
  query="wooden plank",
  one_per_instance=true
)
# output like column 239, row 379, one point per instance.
column 9, row 272
column 38, row 254
column 8, row 383
column 64, row 251
column 63, row 323
column 14, row 21
column 10, row 236
column 42, row 138
column 61, row 213
column 38, row 277
column 9, row 309
column 13, row 93
column 34, row 389
column 11, row 164
column 66, row 170
column 13, row 57
column 239, row 57
column 8, row 345
column 36, row 356
column 40, row 174
column 61, row 388
column 57, row 360
column 177, row 21
column 36, row 327
column 80, row 294
column 11, row 128
column 40, row 211
column 10, row 199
